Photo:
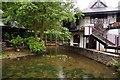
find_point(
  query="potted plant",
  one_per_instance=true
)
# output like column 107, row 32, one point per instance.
column 17, row 42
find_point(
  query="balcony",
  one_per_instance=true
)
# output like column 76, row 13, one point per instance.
column 115, row 25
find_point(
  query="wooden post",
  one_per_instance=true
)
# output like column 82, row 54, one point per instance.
column 86, row 42
column 106, row 43
column 117, row 43
column 83, row 41
column 99, row 46
column 89, row 38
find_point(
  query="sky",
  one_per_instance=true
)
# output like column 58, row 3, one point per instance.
column 82, row 4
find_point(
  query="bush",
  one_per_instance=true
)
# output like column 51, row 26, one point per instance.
column 17, row 42
column 117, row 67
column 35, row 45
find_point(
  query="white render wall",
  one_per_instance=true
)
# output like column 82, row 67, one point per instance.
column 86, row 21
column 114, row 31
column 88, row 31
column 111, row 50
column 111, row 18
column 81, row 39
column 84, row 43
column 71, row 41
column 101, row 46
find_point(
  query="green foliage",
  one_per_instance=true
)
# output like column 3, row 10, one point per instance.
column 17, row 42
column 6, row 36
column 66, row 34
column 117, row 67
column 116, row 64
column 35, row 45
column 38, row 16
column 59, row 34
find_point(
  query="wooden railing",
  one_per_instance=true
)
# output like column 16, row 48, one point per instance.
column 114, row 25
column 114, row 38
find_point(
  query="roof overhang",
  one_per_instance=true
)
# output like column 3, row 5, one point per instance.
column 108, row 10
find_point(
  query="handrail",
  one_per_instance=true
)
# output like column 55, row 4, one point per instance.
column 114, row 25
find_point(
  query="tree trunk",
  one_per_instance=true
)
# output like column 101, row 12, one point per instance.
column 42, row 29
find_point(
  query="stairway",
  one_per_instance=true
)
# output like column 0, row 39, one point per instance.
column 99, row 35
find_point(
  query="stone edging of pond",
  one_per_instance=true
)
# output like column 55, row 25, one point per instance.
column 99, row 56
column 14, row 57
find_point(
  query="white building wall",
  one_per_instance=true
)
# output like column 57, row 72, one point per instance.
column 82, row 22
column 101, row 46
column 88, row 30
column 111, row 50
column 71, row 41
column 111, row 18
column 84, row 42
column 114, row 31
column 85, row 21
column 81, row 40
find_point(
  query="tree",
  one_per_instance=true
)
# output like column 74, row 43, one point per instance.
column 58, row 34
column 38, row 16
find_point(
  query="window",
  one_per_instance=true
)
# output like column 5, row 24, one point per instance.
column 76, row 38
column 92, row 21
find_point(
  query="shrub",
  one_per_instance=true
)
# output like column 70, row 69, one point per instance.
column 117, row 68
column 17, row 42
column 35, row 45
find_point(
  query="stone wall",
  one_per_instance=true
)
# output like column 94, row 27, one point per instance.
column 102, row 57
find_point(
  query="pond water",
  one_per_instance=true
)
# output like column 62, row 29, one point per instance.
column 55, row 63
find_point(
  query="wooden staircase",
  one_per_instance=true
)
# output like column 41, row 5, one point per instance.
column 100, row 35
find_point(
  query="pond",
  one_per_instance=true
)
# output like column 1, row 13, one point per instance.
column 55, row 63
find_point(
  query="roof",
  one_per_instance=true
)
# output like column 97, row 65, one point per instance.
column 97, row 4
column 105, row 10
column 98, row 7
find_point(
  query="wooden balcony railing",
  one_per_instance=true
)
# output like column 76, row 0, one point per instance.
column 114, row 25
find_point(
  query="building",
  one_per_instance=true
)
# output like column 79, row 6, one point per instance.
column 9, row 31
column 99, row 29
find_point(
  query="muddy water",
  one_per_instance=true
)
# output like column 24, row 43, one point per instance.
column 55, row 63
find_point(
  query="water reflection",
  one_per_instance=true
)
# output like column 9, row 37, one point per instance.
column 56, row 63
column 60, row 72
